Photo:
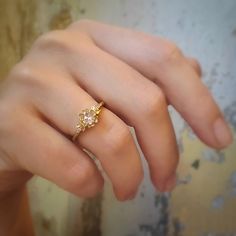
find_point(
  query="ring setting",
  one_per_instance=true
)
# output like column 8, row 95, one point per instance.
column 87, row 118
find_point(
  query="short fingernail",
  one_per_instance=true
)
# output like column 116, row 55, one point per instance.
column 133, row 195
column 170, row 183
column 222, row 132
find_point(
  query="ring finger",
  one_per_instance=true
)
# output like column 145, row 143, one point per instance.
column 110, row 140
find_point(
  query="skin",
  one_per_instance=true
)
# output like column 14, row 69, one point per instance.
column 136, row 75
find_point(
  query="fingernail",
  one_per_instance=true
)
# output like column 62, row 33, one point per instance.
column 170, row 183
column 132, row 196
column 222, row 132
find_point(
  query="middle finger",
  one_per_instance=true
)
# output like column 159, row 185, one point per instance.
column 137, row 100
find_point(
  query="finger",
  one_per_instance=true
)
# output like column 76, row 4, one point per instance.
column 41, row 150
column 139, row 102
column 110, row 140
column 196, row 66
column 163, row 63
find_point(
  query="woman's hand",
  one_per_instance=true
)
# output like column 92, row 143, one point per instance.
column 136, row 75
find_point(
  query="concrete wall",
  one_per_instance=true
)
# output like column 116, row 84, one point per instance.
column 204, row 203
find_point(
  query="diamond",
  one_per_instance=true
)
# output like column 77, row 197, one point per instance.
column 89, row 117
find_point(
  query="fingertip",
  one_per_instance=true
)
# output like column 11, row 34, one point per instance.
column 170, row 183
column 167, row 184
column 222, row 133
column 125, row 195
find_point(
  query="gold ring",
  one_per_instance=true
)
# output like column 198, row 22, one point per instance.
column 87, row 118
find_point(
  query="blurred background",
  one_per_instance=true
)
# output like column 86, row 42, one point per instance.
column 204, row 202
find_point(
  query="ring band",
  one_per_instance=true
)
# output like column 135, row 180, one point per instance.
column 87, row 119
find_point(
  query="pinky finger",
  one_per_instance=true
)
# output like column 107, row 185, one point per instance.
column 43, row 151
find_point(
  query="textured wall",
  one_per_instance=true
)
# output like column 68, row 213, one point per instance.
column 204, row 203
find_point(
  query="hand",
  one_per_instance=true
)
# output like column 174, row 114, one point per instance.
column 136, row 75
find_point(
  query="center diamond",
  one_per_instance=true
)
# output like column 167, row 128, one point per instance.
column 89, row 117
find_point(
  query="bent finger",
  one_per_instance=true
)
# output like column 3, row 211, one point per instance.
column 41, row 150
column 139, row 102
column 109, row 140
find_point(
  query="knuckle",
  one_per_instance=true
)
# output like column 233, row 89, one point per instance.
column 153, row 102
column 77, row 175
column 65, row 42
column 164, row 51
column 54, row 40
column 196, row 65
column 78, row 178
column 22, row 71
column 81, row 24
column 117, row 137
column 27, row 76
column 171, row 51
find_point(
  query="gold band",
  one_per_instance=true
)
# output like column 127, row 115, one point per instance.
column 87, row 119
